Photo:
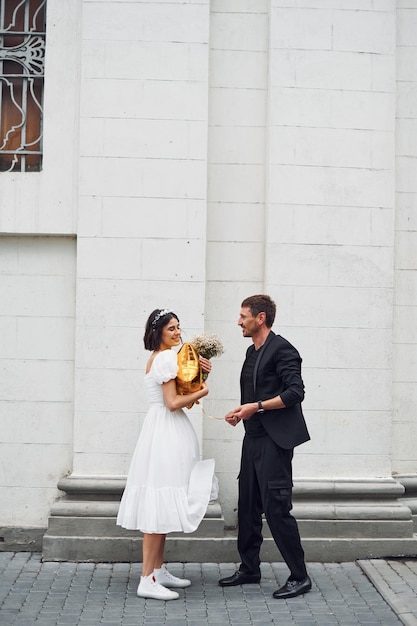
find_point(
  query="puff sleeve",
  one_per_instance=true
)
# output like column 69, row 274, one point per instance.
column 165, row 366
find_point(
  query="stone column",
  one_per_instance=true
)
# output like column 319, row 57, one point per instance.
column 330, row 237
column 236, row 210
column 141, row 233
column 404, row 428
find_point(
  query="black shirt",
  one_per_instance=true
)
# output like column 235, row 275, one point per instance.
column 253, row 426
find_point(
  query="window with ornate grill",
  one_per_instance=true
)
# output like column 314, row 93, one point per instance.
column 22, row 63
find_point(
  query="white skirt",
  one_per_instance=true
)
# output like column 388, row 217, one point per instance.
column 168, row 488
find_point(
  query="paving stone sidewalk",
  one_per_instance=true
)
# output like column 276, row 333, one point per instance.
column 91, row 594
column 396, row 581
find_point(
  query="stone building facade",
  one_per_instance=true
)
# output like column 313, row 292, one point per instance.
column 194, row 153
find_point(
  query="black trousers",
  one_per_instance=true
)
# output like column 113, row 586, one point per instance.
column 265, row 486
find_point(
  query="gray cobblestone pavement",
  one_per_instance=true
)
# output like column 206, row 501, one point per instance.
column 396, row 581
column 90, row 594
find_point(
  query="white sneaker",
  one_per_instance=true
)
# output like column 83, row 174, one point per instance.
column 149, row 588
column 164, row 577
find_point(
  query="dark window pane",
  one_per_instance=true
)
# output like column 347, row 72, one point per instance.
column 22, row 56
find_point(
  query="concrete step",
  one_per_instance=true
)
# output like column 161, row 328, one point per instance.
column 340, row 520
column 188, row 548
column 81, row 526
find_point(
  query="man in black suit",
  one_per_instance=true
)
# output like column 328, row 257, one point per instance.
column 271, row 394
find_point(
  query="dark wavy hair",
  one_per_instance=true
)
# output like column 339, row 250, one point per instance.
column 153, row 329
column 261, row 304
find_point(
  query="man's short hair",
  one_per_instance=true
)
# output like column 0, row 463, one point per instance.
column 261, row 303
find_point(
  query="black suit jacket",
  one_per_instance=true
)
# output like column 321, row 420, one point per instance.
column 278, row 373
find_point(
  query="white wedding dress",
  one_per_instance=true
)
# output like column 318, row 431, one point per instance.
column 168, row 488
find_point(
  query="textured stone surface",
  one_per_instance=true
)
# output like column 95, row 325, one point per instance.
column 32, row 592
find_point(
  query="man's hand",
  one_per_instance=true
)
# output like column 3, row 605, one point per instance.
column 231, row 418
column 242, row 412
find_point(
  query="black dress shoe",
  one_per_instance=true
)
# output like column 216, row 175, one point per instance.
column 239, row 578
column 293, row 588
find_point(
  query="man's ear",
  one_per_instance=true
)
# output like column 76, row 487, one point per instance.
column 261, row 318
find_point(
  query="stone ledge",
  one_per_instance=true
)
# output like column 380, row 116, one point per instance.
column 341, row 487
column 350, row 518
column 21, row 539
column 69, row 507
column 220, row 550
column 409, row 482
column 372, row 488
column 73, row 526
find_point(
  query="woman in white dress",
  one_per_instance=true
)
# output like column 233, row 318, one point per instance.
column 168, row 488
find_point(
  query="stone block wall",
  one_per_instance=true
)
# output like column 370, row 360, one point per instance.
column 205, row 151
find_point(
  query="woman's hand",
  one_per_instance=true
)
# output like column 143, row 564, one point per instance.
column 174, row 400
column 205, row 365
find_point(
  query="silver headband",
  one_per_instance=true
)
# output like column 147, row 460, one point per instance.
column 161, row 313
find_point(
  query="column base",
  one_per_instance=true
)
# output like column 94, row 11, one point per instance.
column 409, row 482
column 339, row 520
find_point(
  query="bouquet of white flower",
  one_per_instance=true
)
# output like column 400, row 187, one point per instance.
column 207, row 345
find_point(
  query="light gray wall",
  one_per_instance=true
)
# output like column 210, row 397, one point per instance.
column 204, row 152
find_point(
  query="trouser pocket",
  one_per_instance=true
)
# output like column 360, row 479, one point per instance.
column 279, row 499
